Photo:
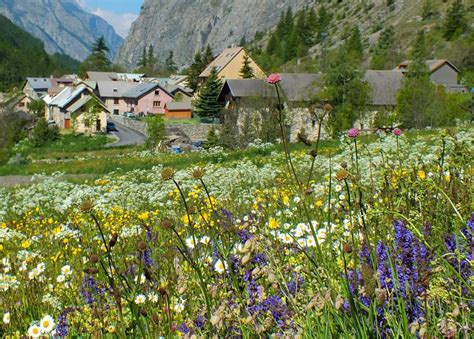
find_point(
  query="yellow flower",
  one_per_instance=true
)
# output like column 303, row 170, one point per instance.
column 25, row 244
column 286, row 200
column 272, row 223
column 319, row 203
column 421, row 174
column 143, row 216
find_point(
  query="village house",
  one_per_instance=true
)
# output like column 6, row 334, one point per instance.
column 113, row 76
column 122, row 97
column 180, row 93
column 229, row 64
column 147, row 98
column 442, row 72
column 68, row 110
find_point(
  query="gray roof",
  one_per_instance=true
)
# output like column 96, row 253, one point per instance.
column 102, row 76
column 300, row 86
column 384, row 86
column 139, row 90
column 67, row 95
column 79, row 103
column 295, row 86
column 39, row 84
column 174, row 88
column 114, row 89
column 178, row 106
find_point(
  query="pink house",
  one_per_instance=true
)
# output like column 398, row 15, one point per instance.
column 147, row 98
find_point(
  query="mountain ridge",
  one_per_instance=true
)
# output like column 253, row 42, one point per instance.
column 64, row 28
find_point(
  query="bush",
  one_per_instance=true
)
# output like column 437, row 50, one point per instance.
column 43, row 133
column 156, row 130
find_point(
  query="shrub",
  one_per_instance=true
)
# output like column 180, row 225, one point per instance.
column 156, row 130
column 44, row 133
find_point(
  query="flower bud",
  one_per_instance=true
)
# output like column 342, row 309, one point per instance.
column 167, row 173
column 113, row 240
column 347, row 248
column 94, row 258
column 142, row 246
column 166, row 224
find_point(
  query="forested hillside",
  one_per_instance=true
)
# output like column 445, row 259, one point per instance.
column 22, row 55
column 382, row 32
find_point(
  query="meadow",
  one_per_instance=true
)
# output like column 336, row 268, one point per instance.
column 359, row 237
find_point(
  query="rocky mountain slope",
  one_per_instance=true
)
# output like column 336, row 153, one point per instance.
column 61, row 24
column 185, row 26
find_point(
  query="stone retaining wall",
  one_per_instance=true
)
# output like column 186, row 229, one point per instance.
column 195, row 132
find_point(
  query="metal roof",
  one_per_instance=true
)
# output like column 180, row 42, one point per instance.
column 178, row 106
column 384, row 86
column 115, row 89
column 102, row 76
column 139, row 90
column 39, row 83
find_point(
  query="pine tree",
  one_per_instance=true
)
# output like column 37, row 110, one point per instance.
column 207, row 105
column 100, row 46
column 194, row 71
column 383, row 48
column 97, row 60
column 324, row 20
column 143, row 60
column 207, row 57
column 455, row 22
column 170, row 64
column 418, row 67
column 247, row 71
column 273, row 44
column 151, row 61
column 354, row 44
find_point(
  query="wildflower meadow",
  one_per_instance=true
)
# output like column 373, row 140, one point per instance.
column 372, row 240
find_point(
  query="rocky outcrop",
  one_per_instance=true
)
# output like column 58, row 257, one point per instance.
column 185, row 26
column 61, row 24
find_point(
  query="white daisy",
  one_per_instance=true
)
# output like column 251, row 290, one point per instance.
column 47, row 324
column 140, row 299
column 153, row 297
column 219, row 266
column 34, row 331
column 190, row 242
column 205, row 240
column 60, row 278
column 6, row 318
column 66, row 270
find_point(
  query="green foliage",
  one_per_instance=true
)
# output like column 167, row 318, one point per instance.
column 455, row 22
column 207, row 105
column 383, row 49
column 44, row 133
column 199, row 64
column 346, row 91
column 22, row 55
column 13, row 128
column 170, row 64
column 37, row 107
column 156, row 130
column 248, row 131
column 90, row 116
column 229, row 137
column 247, row 71
column 354, row 45
column 97, row 60
column 428, row 11
column 212, row 139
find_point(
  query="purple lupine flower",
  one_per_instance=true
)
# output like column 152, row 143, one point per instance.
column 383, row 268
column 199, row 322
column 365, row 255
column 233, row 262
column 147, row 259
column 295, row 284
column 259, row 259
column 450, row 242
column 89, row 289
column 149, row 235
column 183, row 328
column 244, row 235
column 61, row 327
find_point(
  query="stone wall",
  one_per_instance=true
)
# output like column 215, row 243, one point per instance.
column 195, row 132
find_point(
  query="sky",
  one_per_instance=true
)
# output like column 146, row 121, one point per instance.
column 119, row 13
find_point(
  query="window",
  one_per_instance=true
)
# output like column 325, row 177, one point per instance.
column 115, row 90
column 156, row 103
column 116, row 101
column 116, row 112
column 22, row 104
column 157, row 92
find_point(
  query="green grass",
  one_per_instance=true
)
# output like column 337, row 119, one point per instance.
column 73, row 155
column 193, row 121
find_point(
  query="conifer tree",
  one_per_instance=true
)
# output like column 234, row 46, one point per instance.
column 354, row 44
column 207, row 57
column 455, row 22
column 143, row 60
column 247, row 71
column 98, row 59
column 194, row 71
column 207, row 105
column 382, row 48
column 151, row 59
column 170, row 64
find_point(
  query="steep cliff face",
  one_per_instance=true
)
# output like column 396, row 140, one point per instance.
column 61, row 24
column 185, row 26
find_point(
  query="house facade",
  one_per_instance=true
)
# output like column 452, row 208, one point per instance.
column 147, row 98
column 178, row 110
column 67, row 110
column 229, row 63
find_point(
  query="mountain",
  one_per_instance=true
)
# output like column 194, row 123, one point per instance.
column 185, row 26
column 62, row 25
column 23, row 55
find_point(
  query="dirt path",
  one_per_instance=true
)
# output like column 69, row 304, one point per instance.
column 25, row 180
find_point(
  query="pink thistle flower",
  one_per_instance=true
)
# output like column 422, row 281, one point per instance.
column 274, row 79
column 397, row 132
column 353, row 133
